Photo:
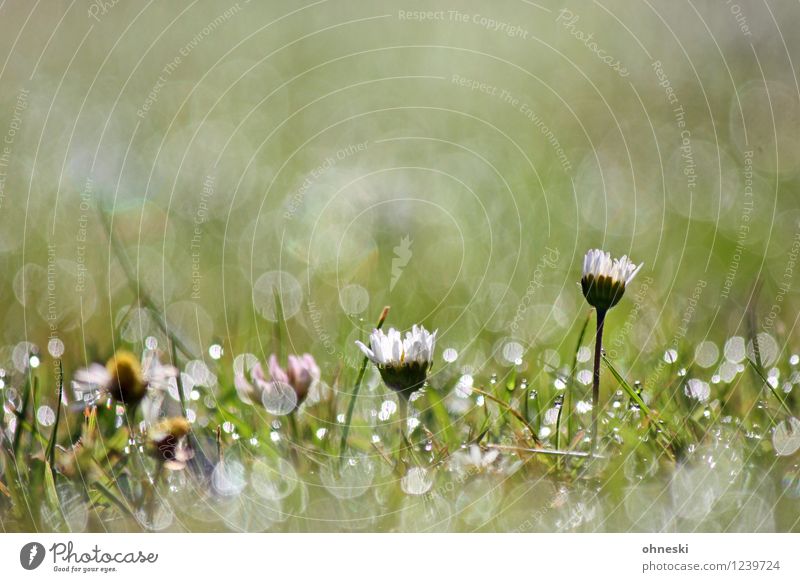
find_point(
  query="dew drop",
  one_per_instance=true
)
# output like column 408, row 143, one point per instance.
column 416, row 481
column 55, row 347
column 697, row 389
column 786, row 437
column 278, row 398
column 45, row 416
column 450, row 355
column 734, row 349
column 215, row 351
column 464, row 385
column 706, row 354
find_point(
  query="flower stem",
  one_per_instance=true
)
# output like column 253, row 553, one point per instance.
column 598, row 355
column 402, row 410
column 51, row 446
column 351, row 408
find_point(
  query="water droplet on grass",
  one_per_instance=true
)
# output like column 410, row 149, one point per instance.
column 282, row 284
column 72, row 510
column 248, row 514
column 55, row 347
column 464, row 385
column 551, row 415
column 727, row 372
column 21, row 355
column 278, row 398
column 706, row 354
column 243, row 363
column 45, row 416
column 157, row 518
column 791, row 483
column 352, row 480
column 228, row 478
column 450, row 355
column 734, row 349
column 273, row 479
column 201, row 374
column 354, row 299
column 786, row 437
column 768, row 349
column 388, row 408
column 416, row 481
column 215, row 351
column 478, row 501
column 697, row 389
column 429, row 514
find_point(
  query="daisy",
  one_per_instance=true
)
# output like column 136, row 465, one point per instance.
column 604, row 279
column 166, row 442
column 603, row 283
column 300, row 374
column 474, row 460
column 124, row 378
column 402, row 362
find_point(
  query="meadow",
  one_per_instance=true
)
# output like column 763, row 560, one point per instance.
column 205, row 206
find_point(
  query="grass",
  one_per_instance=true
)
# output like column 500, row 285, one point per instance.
column 469, row 461
column 89, row 469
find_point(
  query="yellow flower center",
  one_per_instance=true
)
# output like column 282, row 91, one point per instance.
column 126, row 377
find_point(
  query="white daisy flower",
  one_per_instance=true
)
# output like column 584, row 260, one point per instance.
column 402, row 361
column 604, row 279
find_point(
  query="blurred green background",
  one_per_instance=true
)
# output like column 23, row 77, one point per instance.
column 451, row 159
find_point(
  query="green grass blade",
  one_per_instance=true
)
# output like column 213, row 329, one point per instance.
column 278, row 321
column 770, row 386
column 516, row 414
column 570, row 385
column 654, row 421
column 116, row 501
column 141, row 294
column 22, row 414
